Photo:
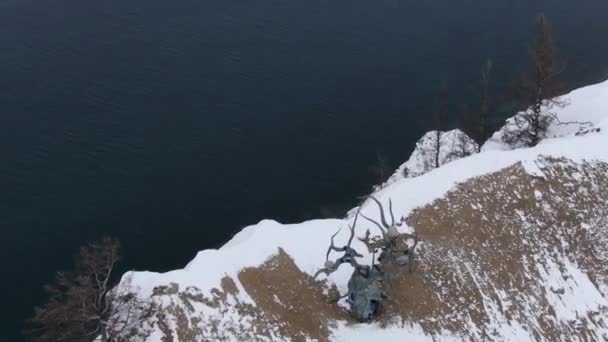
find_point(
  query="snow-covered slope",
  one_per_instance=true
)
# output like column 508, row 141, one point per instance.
column 514, row 247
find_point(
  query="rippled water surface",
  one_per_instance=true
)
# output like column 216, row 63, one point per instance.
column 172, row 124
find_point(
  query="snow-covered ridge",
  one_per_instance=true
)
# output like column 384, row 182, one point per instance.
column 306, row 242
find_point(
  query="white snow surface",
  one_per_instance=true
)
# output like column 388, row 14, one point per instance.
column 306, row 242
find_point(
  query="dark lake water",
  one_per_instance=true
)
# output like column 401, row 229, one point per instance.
column 172, row 124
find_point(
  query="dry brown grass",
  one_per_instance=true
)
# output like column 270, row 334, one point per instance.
column 291, row 299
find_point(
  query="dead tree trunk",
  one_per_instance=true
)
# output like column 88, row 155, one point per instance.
column 439, row 123
column 538, row 90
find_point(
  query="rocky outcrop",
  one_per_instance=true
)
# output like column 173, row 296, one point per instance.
column 454, row 144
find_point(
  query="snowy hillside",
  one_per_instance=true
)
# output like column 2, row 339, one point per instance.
column 513, row 247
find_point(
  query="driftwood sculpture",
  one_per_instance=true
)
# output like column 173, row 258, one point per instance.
column 396, row 251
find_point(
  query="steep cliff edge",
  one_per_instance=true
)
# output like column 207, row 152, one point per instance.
column 514, row 246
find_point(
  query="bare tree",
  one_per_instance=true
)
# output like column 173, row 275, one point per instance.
column 475, row 122
column 439, row 119
column 538, row 89
column 82, row 305
column 381, row 169
column 129, row 314
column 484, row 101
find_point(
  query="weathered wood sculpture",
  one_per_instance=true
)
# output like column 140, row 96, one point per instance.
column 396, row 252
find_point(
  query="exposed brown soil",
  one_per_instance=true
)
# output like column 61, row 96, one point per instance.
column 293, row 301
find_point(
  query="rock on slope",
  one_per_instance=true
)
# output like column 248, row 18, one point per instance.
column 453, row 145
column 514, row 247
